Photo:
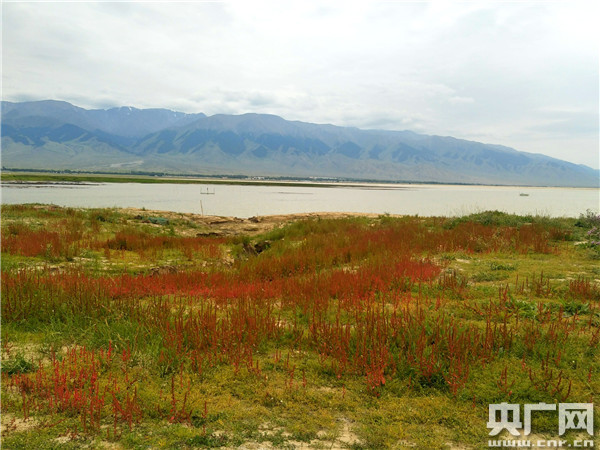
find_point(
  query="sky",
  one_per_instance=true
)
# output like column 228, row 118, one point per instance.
column 521, row 74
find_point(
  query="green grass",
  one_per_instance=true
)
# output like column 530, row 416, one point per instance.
column 41, row 177
column 296, row 398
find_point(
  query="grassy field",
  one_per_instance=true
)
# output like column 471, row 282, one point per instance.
column 129, row 329
column 47, row 177
column 25, row 176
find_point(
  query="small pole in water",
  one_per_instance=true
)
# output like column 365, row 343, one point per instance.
column 201, row 208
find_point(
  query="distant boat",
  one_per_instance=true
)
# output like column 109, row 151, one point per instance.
column 522, row 194
column 207, row 192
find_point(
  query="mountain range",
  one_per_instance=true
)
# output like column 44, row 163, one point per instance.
column 58, row 135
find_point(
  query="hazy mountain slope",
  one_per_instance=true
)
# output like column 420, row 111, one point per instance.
column 125, row 121
column 52, row 134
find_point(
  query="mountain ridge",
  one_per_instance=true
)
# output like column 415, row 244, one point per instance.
column 53, row 134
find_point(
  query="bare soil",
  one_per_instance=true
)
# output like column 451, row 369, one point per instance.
column 228, row 226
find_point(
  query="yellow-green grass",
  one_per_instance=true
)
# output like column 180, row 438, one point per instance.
column 293, row 399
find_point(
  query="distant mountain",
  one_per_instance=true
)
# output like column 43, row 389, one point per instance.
column 57, row 135
column 124, row 122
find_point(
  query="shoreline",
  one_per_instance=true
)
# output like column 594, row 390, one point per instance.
column 226, row 225
column 9, row 178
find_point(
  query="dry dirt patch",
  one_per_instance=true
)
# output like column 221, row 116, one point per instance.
column 226, row 226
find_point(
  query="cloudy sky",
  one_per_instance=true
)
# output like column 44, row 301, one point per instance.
column 521, row 74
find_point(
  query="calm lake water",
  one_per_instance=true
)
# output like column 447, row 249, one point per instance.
column 247, row 201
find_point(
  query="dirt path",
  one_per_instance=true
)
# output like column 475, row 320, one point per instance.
column 226, row 226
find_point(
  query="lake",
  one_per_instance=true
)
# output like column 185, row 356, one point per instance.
column 246, row 201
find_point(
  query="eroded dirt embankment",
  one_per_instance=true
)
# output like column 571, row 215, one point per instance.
column 227, row 226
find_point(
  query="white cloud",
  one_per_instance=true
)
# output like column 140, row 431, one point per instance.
column 512, row 73
column 457, row 99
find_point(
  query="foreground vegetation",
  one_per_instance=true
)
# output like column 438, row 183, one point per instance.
column 136, row 330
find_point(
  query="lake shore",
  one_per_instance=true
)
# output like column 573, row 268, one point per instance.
column 14, row 177
column 259, row 198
